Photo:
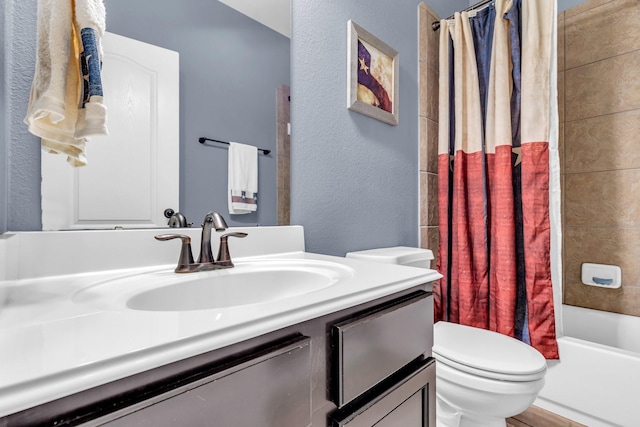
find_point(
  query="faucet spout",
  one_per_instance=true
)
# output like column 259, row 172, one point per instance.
column 211, row 220
column 206, row 260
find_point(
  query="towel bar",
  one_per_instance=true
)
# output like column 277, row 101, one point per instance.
column 202, row 140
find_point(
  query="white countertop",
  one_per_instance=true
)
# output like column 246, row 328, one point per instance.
column 51, row 346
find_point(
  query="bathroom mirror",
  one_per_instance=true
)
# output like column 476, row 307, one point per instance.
column 231, row 67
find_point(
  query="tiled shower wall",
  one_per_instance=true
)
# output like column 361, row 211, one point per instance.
column 428, row 63
column 599, row 97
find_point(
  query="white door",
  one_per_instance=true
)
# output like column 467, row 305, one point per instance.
column 132, row 174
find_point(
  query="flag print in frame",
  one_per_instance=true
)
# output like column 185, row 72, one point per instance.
column 372, row 87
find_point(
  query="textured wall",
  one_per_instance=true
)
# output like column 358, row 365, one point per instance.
column 599, row 59
column 226, row 92
column 354, row 180
column 3, row 120
column 23, row 149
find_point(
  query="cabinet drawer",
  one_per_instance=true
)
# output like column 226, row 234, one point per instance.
column 406, row 399
column 377, row 343
column 271, row 390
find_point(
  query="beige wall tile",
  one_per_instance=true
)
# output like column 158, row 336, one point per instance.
column 603, row 143
column 428, row 199
column 602, row 32
column 561, row 39
column 561, row 146
column 284, row 207
column 432, row 182
column 432, row 146
column 424, row 144
column 429, row 239
column 583, row 7
column 428, row 145
column 428, row 92
column 283, row 140
column 284, row 173
column 433, row 42
column 604, row 87
column 422, row 31
column 561, row 95
column 283, row 104
column 428, row 39
column 603, row 199
column 424, row 199
column 603, row 245
column 624, row 300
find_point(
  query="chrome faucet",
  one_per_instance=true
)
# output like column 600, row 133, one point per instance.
column 206, row 261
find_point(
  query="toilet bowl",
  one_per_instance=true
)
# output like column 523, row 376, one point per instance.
column 483, row 377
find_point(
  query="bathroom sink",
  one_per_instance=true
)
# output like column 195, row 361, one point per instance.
column 253, row 282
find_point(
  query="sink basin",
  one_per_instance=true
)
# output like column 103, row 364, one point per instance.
column 252, row 282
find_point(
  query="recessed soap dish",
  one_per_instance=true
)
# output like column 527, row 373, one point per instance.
column 602, row 275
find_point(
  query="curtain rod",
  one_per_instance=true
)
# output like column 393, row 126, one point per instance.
column 202, row 139
column 436, row 24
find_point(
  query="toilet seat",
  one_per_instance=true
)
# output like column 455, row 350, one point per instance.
column 486, row 354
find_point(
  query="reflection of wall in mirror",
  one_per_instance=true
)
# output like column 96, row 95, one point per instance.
column 220, row 51
column 230, row 68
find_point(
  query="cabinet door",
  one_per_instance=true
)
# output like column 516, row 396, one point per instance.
column 407, row 400
column 272, row 391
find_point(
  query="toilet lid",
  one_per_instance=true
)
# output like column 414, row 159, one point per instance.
column 486, row 353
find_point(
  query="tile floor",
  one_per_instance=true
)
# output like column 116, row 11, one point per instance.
column 538, row 417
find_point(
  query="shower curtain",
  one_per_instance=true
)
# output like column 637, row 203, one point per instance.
column 498, row 125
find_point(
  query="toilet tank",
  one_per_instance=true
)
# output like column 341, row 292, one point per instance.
column 401, row 255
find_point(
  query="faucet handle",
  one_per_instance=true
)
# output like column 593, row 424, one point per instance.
column 186, row 256
column 224, row 257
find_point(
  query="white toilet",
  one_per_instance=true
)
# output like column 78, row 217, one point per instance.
column 482, row 377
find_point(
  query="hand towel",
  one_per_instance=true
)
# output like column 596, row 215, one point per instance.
column 65, row 107
column 243, row 178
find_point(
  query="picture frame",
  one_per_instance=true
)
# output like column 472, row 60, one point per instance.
column 372, row 75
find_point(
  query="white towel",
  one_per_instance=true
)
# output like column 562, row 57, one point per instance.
column 243, row 178
column 65, row 105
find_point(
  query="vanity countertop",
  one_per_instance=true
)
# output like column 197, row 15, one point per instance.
column 51, row 346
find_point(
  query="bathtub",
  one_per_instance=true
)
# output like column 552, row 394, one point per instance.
column 596, row 382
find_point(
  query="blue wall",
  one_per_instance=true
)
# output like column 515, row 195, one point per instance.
column 3, row 121
column 21, row 167
column 230, row 67
column 354, row 180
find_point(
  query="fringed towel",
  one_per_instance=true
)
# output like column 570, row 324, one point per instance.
column 243, row 178
column 66, row 103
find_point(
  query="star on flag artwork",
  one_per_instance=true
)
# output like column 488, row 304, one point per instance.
column 375, row 77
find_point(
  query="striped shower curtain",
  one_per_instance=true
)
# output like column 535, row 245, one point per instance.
column 497, row 79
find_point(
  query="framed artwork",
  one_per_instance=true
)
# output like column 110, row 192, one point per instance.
column 372, row 79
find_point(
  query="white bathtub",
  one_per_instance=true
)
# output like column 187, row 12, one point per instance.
column 597, row 380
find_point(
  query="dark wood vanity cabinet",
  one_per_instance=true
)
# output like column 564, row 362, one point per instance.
column 363, row 366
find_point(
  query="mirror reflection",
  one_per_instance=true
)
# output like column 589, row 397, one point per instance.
column 233, row 71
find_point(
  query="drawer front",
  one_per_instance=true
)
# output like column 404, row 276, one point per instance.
column 374, row 345
column 273, row 390
column 408, row 400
